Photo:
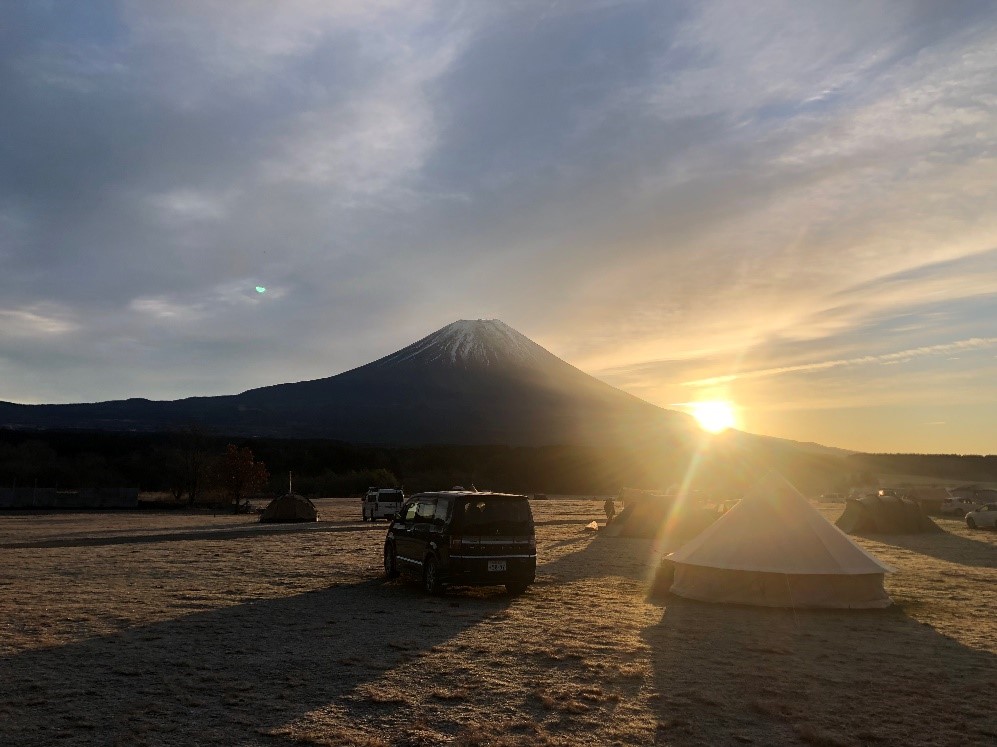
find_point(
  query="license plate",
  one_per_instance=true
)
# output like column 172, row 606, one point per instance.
column 496, row 565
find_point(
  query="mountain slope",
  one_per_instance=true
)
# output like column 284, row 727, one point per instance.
column 472, row 382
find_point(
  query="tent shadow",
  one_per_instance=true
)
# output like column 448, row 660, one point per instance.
column 947, row 546
column 608, row 550
column 231, row 675
column 735, row 674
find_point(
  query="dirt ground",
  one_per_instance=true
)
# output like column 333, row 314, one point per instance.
column 164, row 629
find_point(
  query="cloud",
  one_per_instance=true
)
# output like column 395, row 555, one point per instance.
column 660, row 193
column 763, row 233
column 902, row 356
column 41, row 320
column 366, row 145
column 190, row 205
column 196, row 50
column 159, row 308
column 743, row 64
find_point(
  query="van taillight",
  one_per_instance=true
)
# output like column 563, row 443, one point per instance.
column 454, row 543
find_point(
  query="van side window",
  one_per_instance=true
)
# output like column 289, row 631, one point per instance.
column 425, row 511
column 442, row 508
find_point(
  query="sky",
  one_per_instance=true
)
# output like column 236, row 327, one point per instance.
column 790, row 206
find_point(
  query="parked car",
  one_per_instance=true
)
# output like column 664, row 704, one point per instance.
column 381, row 503
column 984, row 516
column 464, row 538
column 956, row 506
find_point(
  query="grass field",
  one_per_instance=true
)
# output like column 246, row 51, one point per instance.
column 170, row 629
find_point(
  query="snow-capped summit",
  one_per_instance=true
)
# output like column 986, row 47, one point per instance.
column 472, row 342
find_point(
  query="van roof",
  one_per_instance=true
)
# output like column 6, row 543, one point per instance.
column 468, row 493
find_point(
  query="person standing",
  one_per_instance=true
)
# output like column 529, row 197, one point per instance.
column 610, row 508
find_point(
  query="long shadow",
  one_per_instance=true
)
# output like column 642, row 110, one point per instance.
column 948, row 546
column 729, row 675
column 564, row 522
column 602, row 556
column 226, row 676
column 184, row 535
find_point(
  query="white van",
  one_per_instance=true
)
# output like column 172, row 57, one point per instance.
column 957, row 506
column 382, row 503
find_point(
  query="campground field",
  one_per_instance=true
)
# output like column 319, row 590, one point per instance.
column 145, row 628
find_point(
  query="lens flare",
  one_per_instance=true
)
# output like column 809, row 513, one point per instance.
column 714, row 416
column 260, row 289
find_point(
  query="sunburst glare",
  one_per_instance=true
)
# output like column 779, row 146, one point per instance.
column 714, row 416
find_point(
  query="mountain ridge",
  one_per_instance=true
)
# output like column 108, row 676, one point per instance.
column 472, row 381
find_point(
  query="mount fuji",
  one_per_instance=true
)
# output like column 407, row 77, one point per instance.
column 471, row 382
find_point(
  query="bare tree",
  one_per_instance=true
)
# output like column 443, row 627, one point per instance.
column 237, row 475
column 188, row 461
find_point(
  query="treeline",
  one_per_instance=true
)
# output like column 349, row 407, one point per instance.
column 184, row 463
column 945, row 467
column 179, row 463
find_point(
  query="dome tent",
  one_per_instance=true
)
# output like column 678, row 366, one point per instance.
column 663, row 516
column 773, row 549
column 289, row 508
column 884, row 514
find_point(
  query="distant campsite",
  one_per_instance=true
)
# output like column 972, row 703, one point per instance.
column 627, row 635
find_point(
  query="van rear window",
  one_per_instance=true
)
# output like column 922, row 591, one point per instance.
column 496, row 516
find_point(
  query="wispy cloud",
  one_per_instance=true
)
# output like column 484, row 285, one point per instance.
column 902, row 356
column 190, row 205
column 35, row 321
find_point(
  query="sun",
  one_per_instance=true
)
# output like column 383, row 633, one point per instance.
column 714, row 416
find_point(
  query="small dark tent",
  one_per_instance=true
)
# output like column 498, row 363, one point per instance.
column 884, row 514
column 661, row 516
column 289, row 508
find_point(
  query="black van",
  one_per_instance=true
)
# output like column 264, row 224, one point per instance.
column 464, row 538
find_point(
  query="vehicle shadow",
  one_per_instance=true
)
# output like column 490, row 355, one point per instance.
column 732, row 674
column 227, row 676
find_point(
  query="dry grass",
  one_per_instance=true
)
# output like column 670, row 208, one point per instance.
column 164, row 629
